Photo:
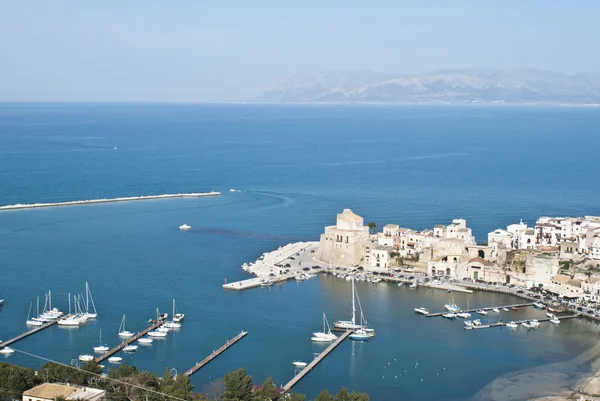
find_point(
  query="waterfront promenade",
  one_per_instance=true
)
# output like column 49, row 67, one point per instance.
column 108, row 200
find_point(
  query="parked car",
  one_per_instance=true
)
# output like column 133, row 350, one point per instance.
column 306, row 269
column 292, row 258
column 287, row 265
column 520, row 292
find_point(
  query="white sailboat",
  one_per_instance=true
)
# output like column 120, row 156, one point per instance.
column 70, row 320
column 145, row 341
column 91, row 314
column 51, row 313
column 115, row 359
column 86, row 358
column 349, row 324
column 122, row 331
column 325, row 335
column 30, row 322
column 79, row 315
column 7, row 351
column 363, row 333
column 172, row 324
column 299, row 364
column 512, row 325
column 130, row 348
column 157, row 334
column 101, row 347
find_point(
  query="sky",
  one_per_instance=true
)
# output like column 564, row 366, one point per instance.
column 203, row 50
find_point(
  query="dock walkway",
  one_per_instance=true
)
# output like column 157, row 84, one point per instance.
column 27, row 334
column 215, row 354
column 486, row 309
column 125, row 343
column 315, row 361
column 519, row 322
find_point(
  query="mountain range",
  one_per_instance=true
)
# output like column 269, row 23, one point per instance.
column 482, row 85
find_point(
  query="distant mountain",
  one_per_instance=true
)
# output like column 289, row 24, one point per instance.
column 483, row 85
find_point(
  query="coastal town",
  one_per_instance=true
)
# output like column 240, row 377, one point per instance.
column 558, row 255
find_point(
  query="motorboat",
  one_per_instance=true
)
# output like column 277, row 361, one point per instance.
column 512, row 325
column 326, row 334
column 122, row 332
column 514, row 308
column 321, row 339
column 7, row 351
column 101, row 347
column 86, row 358
column 468, row 323
column 267, row 283
column 163, row 329
column 360, row 335
column 534, row 323
column 476, row 322
column 157, row 334
column 130, row 348
column 34, row 323
column 299, row 364
column 184, row 227
column 400, row 284
column 453, row 308
column 482, row 312
column 495, row 310
column 174, row 324
column 178, row 318
column 422, row 310
column 550, row 315
column 527, row 325
column 555, row 320
column 449, row 315
column 413, row 285
column 115, row 359
column 539, row 305
column 505, row 309
column 464, row 315
column 145, row 341
column 70, row 321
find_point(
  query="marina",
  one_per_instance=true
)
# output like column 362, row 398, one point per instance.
column 127, row 342
column 517, row 323
column 27, row 334
column 488, row 308
column 306, row 370
column 215, row 354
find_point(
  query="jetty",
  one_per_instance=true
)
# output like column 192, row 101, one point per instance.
column 27, row 334
column 487, row 308
column 214, row 354
column 125, row 343
column 519, row 322
column 108, row 200
column 315, row 361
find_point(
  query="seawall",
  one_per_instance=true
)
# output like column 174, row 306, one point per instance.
column 93, row 201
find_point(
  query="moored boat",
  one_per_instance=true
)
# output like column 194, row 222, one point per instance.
column 7, row 351
column 86, row 358
column 145, row 341
column 115, row 359
column 359, row 335
column 482, row 312
column 130, row 348
column 299, row 364
column 512, row 325
column 122, row 332
column 422, row 310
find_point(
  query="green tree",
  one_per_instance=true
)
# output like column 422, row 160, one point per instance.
column 324, row 396
column 82, row 376
column 267, row 392
column 343, row 395
column 295, row 397
column 238, row 386
column 123, row 371
column 52, row 373
column 359, row 396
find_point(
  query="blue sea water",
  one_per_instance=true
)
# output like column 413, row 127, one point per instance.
column 296, row 167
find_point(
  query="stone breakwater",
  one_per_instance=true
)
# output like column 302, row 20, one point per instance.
column 108, row 200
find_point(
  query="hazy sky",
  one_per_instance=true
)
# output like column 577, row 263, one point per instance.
column 201, row 50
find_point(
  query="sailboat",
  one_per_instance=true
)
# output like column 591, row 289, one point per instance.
column 88, row 297
column 349, row 324
column 51, row 313
column 79, row 315
column 122, row 331
column 324, row 336
column 158, row 333
column 172, row 324
column 101, row 347
column 70, row 320
column 32, row 322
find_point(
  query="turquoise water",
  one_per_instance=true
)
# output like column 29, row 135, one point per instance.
column 296, row 166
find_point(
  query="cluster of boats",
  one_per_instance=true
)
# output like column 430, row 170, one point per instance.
column 161, row 332
column 84, row 309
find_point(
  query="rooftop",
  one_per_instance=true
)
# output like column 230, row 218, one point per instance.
column 50, row 391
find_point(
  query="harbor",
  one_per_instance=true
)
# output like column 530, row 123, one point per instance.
column 127, row 342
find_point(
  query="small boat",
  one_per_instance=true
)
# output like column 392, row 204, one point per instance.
column 527, row 324
column 551, row 309
column 178, row 318
column 534, row 323
column 69, row 321
column 157, row 334
column 88, row 297
column 349, row 324
column 413, row 285
column 468, row 323
column 122, row 332
column 101, row 347
column 299, row 364
column 1, row 301
column 360, row 335
column 539, row 305
column 184, row 227
column 33, row 322
column 505, row 309
column 512, row 325
column 496, row 310
column 453, row 308
column 115, row 359
column 7, row 351
column 175, row 323
column 550, row 315
column 130, row 348
column 449, row 315
column 326, row 334
column 400, row 284
column 476, row 322
column 266, row 283
column 163, row 329
column 482, row 312
column 555, row 320
column 86, row 358
column 145, row 341
column 422, row 310
column 464, row 315
column 320, row 339
column 514, row 308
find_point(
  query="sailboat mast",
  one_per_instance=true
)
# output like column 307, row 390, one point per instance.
column 37, row 309
column 353, row 306
column 87, row 297
column 69, row 303
column 50, row 300
column 173, row 317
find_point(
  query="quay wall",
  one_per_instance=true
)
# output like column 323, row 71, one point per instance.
column 108, row 200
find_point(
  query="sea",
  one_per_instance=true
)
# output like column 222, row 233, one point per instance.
column 292, row 169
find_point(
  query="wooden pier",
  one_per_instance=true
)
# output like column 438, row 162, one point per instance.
column 519, row 322
column 486, row 309
column 315, row 361
column 215, row 354
column 27, row 334
column 125, row 343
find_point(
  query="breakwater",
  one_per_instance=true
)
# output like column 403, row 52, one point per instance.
column 108, row 200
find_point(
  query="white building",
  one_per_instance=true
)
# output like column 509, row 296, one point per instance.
column 591, row 287
column 379, row 257
column 344, row 243
column 51, row 391
column 595, row 248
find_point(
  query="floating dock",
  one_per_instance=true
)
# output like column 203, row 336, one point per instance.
column 27, row 334
column 519, row 322
column 125, row 343
column 110, row 200
column 315, row 361
column 215, row 354
column 486, row 309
